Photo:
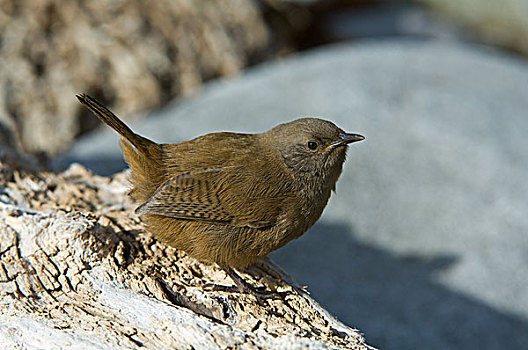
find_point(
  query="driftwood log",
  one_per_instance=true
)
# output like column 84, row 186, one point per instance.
column 77, row 269
column 135, row 55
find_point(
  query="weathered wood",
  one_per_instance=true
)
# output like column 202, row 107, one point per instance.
column 78, row 269
column 136, row 54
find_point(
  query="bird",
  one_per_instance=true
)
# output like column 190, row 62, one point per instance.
column 232, row 198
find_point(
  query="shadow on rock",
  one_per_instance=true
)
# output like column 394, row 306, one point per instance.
column 100, row 164
column 395, row 300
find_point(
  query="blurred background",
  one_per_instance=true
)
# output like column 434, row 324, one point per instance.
column 425, row 244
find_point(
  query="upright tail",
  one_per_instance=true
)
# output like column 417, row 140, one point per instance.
column 144, row 156
column 110, row 119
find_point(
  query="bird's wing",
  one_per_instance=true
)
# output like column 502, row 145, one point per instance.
column 215, row 195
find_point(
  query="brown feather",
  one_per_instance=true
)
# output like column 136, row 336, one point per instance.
column 232, row 198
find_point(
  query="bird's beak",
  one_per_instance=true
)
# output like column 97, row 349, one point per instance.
column 345, row 139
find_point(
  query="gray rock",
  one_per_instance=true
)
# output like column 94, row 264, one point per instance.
column 389, row 19
column 425, row 242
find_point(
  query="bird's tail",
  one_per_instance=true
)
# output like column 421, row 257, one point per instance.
column 142, row 155
column 110, row 119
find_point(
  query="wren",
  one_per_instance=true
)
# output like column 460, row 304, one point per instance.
column 233, row 198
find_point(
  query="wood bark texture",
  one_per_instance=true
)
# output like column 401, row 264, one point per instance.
column 77, row 269
column 134, row 55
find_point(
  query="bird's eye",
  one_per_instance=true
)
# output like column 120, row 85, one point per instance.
column 312, row 145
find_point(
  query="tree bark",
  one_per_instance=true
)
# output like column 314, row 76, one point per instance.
column 78, row 269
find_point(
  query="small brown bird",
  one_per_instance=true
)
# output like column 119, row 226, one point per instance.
column 233, row 198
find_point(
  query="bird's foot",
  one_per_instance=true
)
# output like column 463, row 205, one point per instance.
column 241, row 286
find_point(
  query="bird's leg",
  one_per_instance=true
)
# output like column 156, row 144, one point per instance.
column 244, row 287
column 268, row 266
column 241, row 286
